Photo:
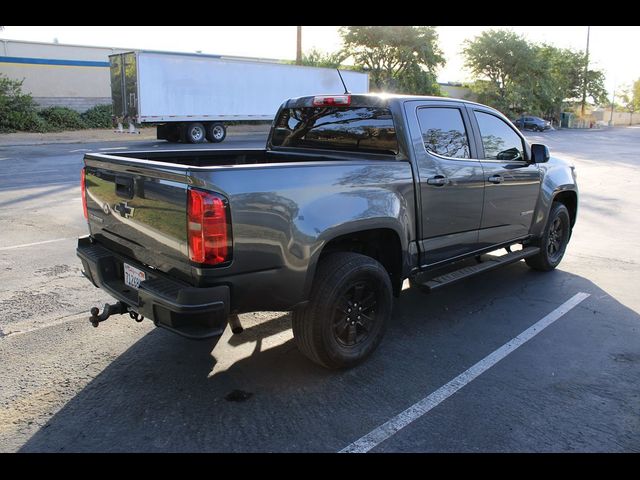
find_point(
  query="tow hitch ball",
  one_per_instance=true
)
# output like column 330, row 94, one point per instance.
column 116, row 309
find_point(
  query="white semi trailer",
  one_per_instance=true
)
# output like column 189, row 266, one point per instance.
column 190, row 96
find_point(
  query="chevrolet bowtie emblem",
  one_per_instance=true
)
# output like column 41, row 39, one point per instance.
column 124, row 210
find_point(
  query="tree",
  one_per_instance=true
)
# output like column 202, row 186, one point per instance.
column 317, row 58
column 17, row 109
column 517, row 76
column 560, row 80
column 398, row 58
column 500, row 58
column 630, row 97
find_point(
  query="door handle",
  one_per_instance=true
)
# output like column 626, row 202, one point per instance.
column 438, row 181
column 495, row 179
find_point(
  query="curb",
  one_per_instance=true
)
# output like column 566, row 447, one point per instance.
column 71, row 142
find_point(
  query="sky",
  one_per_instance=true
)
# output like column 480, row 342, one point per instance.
column 612, row 49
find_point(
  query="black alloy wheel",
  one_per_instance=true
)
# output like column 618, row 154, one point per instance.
column 350, row 304
column 355, row 316
column 554, row 240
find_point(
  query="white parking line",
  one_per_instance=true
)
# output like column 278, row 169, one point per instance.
column 34, row 243
column 417, row 410
column 79, row 150
column 114, row 148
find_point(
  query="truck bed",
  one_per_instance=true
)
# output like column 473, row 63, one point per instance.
column 199, row 157
column 278, row 201
column 229, row 157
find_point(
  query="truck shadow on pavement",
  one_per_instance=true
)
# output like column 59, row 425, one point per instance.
column 165, row 393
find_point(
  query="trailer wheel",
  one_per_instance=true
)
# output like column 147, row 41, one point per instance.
column 195, row 133
column 216, row 132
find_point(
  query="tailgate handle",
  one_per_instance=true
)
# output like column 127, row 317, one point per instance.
column 124, row 187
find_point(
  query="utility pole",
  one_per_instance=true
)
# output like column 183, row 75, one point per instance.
column 586, row 69
column 299, row 47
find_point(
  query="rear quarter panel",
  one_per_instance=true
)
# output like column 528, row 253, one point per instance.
column 283, row 215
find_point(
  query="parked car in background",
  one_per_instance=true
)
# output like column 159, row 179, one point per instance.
column 533, row 123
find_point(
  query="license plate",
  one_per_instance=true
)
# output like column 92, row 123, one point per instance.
column 133, row 276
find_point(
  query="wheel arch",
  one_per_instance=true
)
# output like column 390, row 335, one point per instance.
column 569, row 198
column 382, row 244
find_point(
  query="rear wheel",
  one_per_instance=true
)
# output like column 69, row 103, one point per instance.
column 554, row 240
column 216, row 132
column 195, row 133
column 345, row 319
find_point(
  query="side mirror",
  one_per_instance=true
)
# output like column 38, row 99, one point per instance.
column 539, row 153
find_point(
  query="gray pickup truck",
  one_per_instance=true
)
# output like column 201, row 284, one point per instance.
column 352, row 195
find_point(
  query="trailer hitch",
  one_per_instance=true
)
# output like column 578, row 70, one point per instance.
column 116, row 309
column 135, row 315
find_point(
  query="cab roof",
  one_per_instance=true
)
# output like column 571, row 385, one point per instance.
column 371, row 99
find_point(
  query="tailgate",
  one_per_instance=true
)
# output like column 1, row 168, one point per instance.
column 139, row 209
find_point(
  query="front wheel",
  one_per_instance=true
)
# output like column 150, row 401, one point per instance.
column 554, row 240
column 345, row 319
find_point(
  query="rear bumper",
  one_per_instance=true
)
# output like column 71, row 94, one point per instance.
column 188, row 311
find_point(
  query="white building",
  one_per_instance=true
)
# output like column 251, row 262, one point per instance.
column 73, row 76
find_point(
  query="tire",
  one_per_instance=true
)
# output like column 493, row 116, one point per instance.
column 216, row 132
column 195, row 132
column 325, row 330
column 554, row 239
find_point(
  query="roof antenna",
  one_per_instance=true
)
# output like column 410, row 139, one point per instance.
column 346, row 90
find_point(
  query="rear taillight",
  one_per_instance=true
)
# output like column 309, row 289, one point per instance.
column 83, row 190
column 208, row 227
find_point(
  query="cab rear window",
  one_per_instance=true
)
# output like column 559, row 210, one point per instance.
column 358, row 129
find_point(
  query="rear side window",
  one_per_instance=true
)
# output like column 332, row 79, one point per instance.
column 443, row 131
column 364, row 129
column 499, row 140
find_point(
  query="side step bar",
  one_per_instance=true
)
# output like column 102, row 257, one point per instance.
column 466, row 272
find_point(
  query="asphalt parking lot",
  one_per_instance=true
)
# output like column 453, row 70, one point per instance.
column 65, row 386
